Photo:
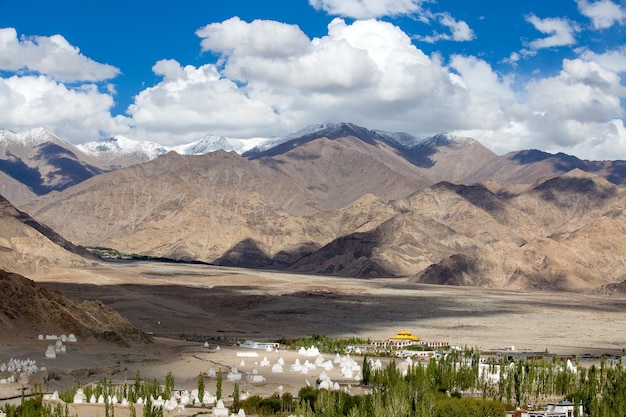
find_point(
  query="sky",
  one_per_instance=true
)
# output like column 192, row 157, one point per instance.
column 513, row 75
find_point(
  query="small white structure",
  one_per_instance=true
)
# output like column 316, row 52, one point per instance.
column 234, row 375
column 560, row 409
column 251, row 344
column 51, row 352
column 208, row 399
column 80, row 397
column 247, row 354
column 311, row 351
column 277, row 368
column 219, row 409
column 265, row 362
column 297, row 366
column 255, row 377
column 211, row 373
column 171, row 404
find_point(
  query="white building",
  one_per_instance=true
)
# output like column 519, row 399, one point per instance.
column 251, row 344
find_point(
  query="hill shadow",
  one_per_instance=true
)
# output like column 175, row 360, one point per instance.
column 315, row 308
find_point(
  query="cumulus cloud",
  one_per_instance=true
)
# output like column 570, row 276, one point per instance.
column 603, row 13
column 367, row 9
column 76, row 114
column 576, row 111
column 561, row 32
column 266, row 38
column 614, row 60
column 270, row 78
column 458, row 30
column 191, row 101
column 50, row 55
column 370, row 73
column 364, row 71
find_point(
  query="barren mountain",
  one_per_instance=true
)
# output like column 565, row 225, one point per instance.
column 579, row 236
column 42, row 161
column 345, row 200
column 117, row 152
column 14, row 190
column 29, row 247
column 27, row 308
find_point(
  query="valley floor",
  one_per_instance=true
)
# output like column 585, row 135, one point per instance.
column 227, row 304
column 172, row 299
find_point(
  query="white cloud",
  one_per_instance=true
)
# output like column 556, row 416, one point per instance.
column 75, row 114
column 271, row 78
column 50, row 55
column 577, row 111
column 603, row 13
column 561, row 32
column 367, row 9
column 367, row 72
column 614, row 60
column 190, row 101
column 459, row 30
column 265, row 38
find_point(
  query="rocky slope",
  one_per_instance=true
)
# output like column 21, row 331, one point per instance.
column 27, row 246
column 28, row 309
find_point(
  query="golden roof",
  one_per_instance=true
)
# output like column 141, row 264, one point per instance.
column 404, row 335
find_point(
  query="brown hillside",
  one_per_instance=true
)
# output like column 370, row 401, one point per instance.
column 29, row 247
column 27, row 308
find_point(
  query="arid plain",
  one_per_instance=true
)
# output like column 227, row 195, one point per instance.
column 170, row 299
column 226, row 305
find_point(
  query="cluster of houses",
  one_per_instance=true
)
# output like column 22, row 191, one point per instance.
column 560, row 409
column 403, row 344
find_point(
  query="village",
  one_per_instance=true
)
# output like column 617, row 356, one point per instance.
column 267, row 368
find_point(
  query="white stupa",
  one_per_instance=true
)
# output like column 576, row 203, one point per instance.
column 51, row 352
column 80, row 397
column 219, row 409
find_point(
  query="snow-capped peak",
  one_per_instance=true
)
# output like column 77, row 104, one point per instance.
column 29, row 137
column 211, row 143
column 124, row 146
column 401, row 139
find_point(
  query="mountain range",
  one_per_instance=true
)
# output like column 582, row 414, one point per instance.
column 335, row 199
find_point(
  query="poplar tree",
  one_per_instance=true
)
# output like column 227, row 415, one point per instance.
column 201, row 387
column 218, row 386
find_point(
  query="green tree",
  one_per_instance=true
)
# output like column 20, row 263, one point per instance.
column 169, row 385
column 235, row 406
column 366, row 370
column 201, row 387
column 218, row 386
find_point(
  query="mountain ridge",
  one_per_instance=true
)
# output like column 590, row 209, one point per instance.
column 344, row 200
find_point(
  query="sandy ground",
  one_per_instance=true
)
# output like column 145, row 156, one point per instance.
column 226, row 305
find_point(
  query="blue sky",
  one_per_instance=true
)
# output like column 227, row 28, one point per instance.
column 513, row 75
